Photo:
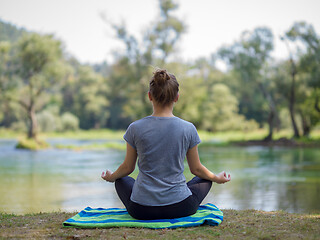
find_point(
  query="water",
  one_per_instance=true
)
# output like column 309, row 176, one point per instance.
column 262, row 178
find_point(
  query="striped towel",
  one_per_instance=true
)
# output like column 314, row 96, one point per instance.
column 118, row 217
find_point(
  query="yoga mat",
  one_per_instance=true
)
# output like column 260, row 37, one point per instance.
column 118, row 217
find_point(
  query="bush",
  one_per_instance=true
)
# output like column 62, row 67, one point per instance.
column 19, row 126
column 69, row 122
column 48, row 121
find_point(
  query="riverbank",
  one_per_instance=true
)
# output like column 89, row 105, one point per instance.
column 243, row 224
column 114, row 138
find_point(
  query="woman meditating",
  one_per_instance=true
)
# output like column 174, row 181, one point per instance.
column 162, row 141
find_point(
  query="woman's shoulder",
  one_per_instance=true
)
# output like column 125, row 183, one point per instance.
column 186, row 123
column 151, row 119
column 139, row 122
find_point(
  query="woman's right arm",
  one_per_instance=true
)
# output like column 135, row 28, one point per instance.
column 201, row 171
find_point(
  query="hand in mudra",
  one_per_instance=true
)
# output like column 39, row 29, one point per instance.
column 222, row 177
column 107, row 176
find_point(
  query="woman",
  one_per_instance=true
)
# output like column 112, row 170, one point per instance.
column 162, row 141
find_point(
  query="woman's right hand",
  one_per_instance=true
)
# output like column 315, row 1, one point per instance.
column 222, row 178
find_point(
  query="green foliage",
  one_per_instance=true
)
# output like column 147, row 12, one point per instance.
column 130, row 74
column 37, row 54
column 246, row 58
column 69, row 122
column 32, row 144
column 31, row 73
column 9, row 32
column 221, row 111
column 18, row 126
column 84, row 95
column 167, row 31
column 307, row 69
column 49, row 119
column 191, row 107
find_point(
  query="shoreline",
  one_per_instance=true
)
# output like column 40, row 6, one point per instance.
column 120, row 144
column 282, row 142
column 114, row 139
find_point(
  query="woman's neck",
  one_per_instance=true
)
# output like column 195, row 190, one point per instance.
column 160, row 111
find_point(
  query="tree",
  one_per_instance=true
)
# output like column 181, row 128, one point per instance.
column 292, row 91
column 4, row 73
column 133, row 69
column 84, row 95
column 36, row 68
column 192, row 91
column 308, row 65
column 167, row 30
column 221, row 108
column 9, row 32
column 248, row 58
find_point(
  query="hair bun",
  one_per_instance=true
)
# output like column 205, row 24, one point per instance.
column 161, row 76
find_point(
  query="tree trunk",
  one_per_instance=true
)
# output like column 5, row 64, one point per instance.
column 316, row 104
column 32, row 128
column 305, row 125
column 292, row 101
column 270, row 123
column 272, row 113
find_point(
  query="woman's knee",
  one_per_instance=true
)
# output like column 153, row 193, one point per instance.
column 124, row 182
column 197, row 180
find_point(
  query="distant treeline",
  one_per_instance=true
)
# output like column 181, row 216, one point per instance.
column 44, row 89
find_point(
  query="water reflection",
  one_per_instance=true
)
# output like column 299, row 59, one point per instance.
column 263, row 178
column 267, row 178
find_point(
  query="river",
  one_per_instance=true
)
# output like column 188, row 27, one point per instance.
column 263, row 178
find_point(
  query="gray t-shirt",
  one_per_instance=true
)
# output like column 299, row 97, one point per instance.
column 161, row 144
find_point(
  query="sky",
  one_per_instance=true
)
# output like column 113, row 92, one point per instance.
column 211, row 24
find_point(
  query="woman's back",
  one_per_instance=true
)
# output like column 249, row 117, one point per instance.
column 162, row 141
column 161, row 144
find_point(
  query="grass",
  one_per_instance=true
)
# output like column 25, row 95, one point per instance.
column 237, row 224
column 116, row 137
column 80, row 134
column 89, row 134
column 234, row 136
column 113, row 145
column 32, row 144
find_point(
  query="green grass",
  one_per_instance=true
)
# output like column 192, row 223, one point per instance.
column 259, row 134
column 9, row 134
column 116, row 137
column 89, row 134
column 113, row 145
column 80, row 134
column 32, row 144
column 244, row 224
column 229, row 136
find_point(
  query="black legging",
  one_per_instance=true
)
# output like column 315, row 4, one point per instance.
column 199, row 188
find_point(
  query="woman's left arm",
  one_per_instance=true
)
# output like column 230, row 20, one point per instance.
column 125, row 168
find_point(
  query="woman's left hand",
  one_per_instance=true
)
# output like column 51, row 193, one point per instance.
column 107, row 176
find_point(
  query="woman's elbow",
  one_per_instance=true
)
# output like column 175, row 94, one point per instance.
column 130, row 168
column 195, row 171
column 127, row 169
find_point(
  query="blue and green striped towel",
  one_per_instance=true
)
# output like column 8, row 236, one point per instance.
column 118, row 217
